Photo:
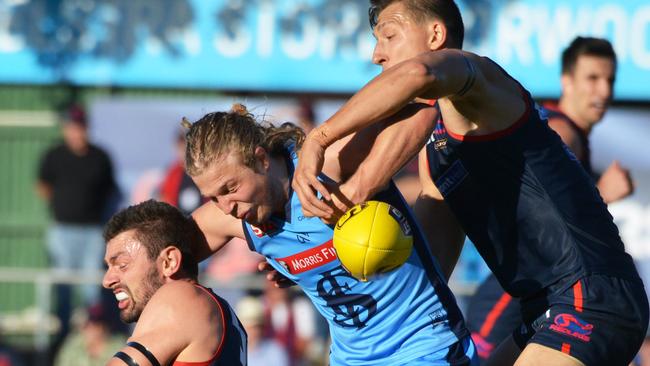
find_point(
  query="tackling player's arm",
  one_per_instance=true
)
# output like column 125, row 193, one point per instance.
column 165, row 330
column 364, row 161
column 217, row 227
column 476, row 87
column 444, row 233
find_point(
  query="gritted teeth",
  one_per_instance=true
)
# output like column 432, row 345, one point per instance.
column 121, row 296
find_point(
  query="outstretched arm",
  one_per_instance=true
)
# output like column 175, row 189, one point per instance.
column 366, row 161
column 400, row 137
column 217, row 227
column 430, row 75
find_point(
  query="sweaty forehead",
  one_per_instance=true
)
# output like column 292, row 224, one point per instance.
column 124, row 243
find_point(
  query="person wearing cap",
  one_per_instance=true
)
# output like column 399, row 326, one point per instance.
column 76, row 179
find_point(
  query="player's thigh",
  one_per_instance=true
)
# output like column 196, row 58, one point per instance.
column 537, row 355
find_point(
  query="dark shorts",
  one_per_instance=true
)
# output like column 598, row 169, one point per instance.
column 600, row 320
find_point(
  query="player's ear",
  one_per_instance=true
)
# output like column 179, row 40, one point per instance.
column 171, row 258
column 437, row 35
column 262, row 158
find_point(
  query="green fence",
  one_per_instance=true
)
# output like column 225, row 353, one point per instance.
column 23, row 217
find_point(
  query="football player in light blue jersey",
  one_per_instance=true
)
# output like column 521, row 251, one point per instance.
column 406, row 316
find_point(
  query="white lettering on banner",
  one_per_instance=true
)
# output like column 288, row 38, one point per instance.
column 514, row 29
column 639, row 48
column 192, row 42
column 612, row 19
column 561, row 28
column 633, row 221
column 301, row 49
column 266, row 29
column 519, row 25
column 8, row 42
column 345, row 28
column 236, row 46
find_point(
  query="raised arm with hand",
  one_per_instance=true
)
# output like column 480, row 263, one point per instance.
column 429, row 75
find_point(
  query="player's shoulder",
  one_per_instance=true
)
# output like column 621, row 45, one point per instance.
column 176, row 298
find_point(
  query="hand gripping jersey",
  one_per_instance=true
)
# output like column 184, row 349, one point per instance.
column 523, row 199
column 394, row 318
column 233, row 347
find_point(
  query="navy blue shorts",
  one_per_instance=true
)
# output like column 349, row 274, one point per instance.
column 600, row 320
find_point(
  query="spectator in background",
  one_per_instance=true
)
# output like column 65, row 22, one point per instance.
column 76, row 179
column 261, row 349
column 306, row 115
column 588, row 74
column 93, row 343
column 290, row 321
column 177, row 188
column 8, row 356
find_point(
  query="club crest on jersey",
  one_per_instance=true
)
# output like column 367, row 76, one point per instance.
column 573, row 326
column 264, row 229
column 440, row 144
column 309, row 259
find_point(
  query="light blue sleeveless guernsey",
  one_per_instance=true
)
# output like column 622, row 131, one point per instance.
column 395, row 318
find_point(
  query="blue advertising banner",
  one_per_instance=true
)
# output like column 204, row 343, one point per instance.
column 292, row 45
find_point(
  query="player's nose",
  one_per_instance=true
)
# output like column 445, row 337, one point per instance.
column 379, row 56
column 109, row 279
column 227, row 206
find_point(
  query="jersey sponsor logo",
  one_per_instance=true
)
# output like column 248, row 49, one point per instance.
column 264, row 229
column 309, row 259
column 452, row 178
column 351, row 310
column 573, row 326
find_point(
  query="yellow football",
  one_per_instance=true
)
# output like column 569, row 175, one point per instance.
column 371, row 238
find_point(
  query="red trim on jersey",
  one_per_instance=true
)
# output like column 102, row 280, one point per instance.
column 577, row 295
column 223, row 335
column 498, row 134
column 566, row 348
column 431, row 102
column 494, row 315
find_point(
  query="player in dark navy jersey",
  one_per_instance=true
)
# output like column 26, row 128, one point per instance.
column 152, row 271
column 588, row 74
column 514, row 188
